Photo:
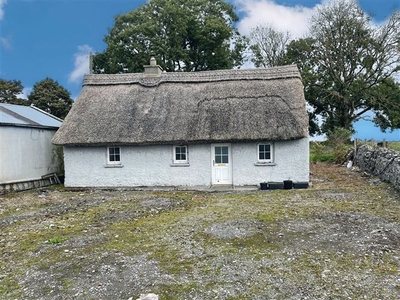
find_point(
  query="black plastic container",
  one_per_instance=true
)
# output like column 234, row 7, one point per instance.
column 263, row 186
column 300, row 185
column 275, row 185
column 287, row 185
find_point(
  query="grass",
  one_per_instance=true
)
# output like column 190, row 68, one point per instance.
column 279, row 259
column 323, row 152
column 57, row 240
column 393, row 145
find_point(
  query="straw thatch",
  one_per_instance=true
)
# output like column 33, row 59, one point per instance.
column 212, row 106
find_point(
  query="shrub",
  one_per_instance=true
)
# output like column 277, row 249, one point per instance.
column 319, row 152
column 334, row 149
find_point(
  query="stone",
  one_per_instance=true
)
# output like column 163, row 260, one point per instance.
column 383, row 163
column 148, row 297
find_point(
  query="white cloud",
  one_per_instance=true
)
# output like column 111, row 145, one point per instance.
column 2, row 3
column 5, row 43
column 25, row 92
column 294, row 19
column 81, row 63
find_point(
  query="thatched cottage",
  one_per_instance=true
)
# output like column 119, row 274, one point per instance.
column 227, row 127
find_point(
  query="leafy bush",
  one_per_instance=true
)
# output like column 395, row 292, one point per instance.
column 334, row 149
column 319, row 152
column 339, row 137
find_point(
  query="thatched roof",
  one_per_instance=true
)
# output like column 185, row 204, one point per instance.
column 211, row 106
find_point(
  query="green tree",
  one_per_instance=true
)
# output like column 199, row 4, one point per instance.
column 51, row 97
column 268, row 46
column 385, row 99
column 300, row 53
column 348, row 65
column 183, row 35
column 10, row 90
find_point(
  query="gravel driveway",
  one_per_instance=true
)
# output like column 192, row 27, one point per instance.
column 339, row 239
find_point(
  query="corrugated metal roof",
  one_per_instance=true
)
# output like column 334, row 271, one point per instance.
column 29, row 116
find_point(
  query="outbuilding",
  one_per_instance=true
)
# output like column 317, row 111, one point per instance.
column 225, row 127
column 27, row 157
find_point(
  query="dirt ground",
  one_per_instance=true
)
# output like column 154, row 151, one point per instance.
column 338, row 239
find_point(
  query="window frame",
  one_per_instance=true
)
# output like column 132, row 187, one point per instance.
column 174, row 153
column 114, row 162
column 271, row 153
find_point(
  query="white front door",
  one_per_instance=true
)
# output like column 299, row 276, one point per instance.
column 221, row 164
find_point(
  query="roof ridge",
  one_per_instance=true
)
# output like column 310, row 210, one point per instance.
column 273, row 73
column 45, row 113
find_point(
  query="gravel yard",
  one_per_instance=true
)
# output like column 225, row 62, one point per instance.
column 339, row 239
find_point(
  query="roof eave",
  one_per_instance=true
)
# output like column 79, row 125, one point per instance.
column 30, row 126
column 175, row 142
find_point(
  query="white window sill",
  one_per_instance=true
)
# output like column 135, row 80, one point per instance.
column 179, row 165
column 114, row 166
column 264, row 164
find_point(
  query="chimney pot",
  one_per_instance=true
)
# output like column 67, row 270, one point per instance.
column 152, row 70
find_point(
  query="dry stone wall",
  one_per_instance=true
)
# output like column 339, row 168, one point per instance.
column 381, row 162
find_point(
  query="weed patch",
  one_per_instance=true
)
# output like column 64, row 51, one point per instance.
column 57, row 240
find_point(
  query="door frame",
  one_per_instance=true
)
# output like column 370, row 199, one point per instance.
column 214, row 165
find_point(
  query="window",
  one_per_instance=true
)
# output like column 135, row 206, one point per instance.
column 114, row 155
column 264, row 152
column 221, row 155
column 180, row 154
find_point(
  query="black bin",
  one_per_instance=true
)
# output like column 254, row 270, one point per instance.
column 300, row 185
column 275, row 185
column 287, row 185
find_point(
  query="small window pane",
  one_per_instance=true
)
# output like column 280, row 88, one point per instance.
column 225, row 159
column 224, row 150
column 114, row 155
column 264, row 152
column 180, row 153
column 217, row 150
column 218, row 159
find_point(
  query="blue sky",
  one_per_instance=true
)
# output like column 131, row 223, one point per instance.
column 53, row 38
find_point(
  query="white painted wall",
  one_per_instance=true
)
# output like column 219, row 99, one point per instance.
column 142, row 166
column 151, row 165
column 291, row 162
column 26, row 154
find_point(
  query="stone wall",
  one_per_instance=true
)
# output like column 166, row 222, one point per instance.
column 381, row 162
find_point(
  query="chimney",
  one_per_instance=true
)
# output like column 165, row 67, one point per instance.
column 152, row 70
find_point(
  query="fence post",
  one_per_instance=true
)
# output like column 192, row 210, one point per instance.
column 355, row 152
